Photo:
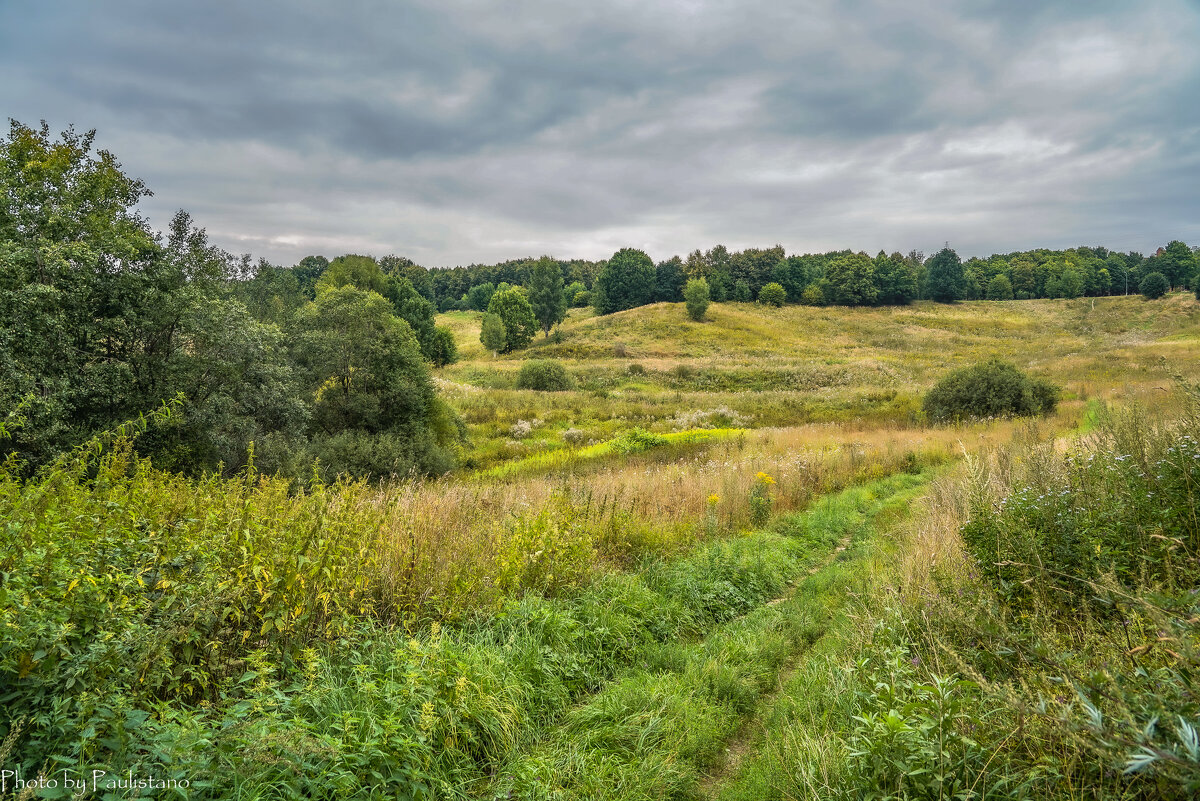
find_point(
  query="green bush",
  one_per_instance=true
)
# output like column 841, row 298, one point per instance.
column 812, row 295
column 696, row 297
column 991, row 389
column 545, row 375
column 772, row 295
column 1154, row 286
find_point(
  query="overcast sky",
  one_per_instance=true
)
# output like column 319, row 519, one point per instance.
column 453, row 131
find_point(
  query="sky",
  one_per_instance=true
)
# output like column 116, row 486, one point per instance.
column 458, row 131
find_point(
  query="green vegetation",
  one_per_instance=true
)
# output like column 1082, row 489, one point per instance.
column 1154, row 286
column 286, row 532
column 696, row 298
column 544, row 375
column 991, row 389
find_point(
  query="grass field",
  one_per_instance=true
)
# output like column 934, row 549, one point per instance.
column 752, row 570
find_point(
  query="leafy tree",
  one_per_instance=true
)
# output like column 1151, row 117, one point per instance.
column 772, row 295
column 1177, row 263
column 308, row 272
column 1154, row 286
column 669, row 278
column 417, row 275
column 945, row 276
column 367, row 376
column 1000, row 288
column 695, row 297
column 514, row 311
column 813, row 295
column 362, row 272
column 741, row 291
column 480, row 295
column 793, row 275
column 894, row 279
column 546, row 294
column 626, row 281
column 572, row 293
column 492, row 333
column 851, row 281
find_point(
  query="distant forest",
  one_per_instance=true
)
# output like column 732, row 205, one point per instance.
column 326, row 366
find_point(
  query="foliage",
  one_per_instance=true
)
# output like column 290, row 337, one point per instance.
column 850, row 281
column 514, row 311
column 571, row 291
column 492, row 333
column 626, row 281
column 760, row 499
column 741, row 292
column 696, row 298
column 1000, row 288
column 991, row 389
column 546, row 294
column 1154, row 286
column 895, row 280
column 480, row 295
column 545, row 375
column 669, row 280
column 945, row 277
column 772, row 295
column 813, row 295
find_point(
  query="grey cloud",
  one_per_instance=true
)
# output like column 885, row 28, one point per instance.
column 458, row 131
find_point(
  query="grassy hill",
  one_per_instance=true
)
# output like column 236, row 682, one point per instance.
column 756, row 366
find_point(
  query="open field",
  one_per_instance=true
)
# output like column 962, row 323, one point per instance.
column 677, row 603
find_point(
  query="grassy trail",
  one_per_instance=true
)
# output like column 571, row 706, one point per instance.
column 660, row 726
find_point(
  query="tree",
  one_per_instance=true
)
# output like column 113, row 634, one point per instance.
column 572, row 293
column 1177, row 263
column 772, row 295
column 990, row 389
column 308, row 272
column 627, row 281
column 695, row 296
column 514, row 311
column 546, row 294
column 894, row 279
column 417, row 275
column 945, row 276
column 362, row 272
column 669, row 278
column 480, row 295
column 851, row 281
column 492, row 333
column 368, row 377
column 1154, row 286
column 1000, row 288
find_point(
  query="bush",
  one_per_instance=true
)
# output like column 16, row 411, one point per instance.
column 544, row 375
column 812, row 296
column 1000, row 288
column 991, row 389
column 741, row 291
column 696, row 297
column 581, row 299
column 772, row 295
column 1154, row 286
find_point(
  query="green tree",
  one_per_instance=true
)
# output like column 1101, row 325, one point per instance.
column 1177, row 263
column 695, row 297
column 851, row 281
column 362, row 272
column 514, row 311
column 946, row 280
column 1000, row 288
column 368, row 377
column 546, row 294
column 894, row 279
column 480, row 295
column 626, row 281
column 669, row 279
column 417, row 275
column 1154, row 286
column 572, row 293
column 772, row 295
column 492, row 333
column 308, row 272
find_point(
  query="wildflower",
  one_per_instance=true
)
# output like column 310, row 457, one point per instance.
column 714, row 499
column 763, row 478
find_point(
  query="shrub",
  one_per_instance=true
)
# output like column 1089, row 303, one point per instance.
column 544, row 375
column 741, row 291
column 581, row 299
column 1000, row 288
column 772, row 295
column 492, row 333
column 991, row 389
column 1154, row 286
column 812, row 296
column 696, row 297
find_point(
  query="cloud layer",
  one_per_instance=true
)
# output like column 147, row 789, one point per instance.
column 455, row 131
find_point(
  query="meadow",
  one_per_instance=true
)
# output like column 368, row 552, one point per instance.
column 734, row 562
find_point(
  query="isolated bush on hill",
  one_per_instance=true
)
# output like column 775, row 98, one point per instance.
column 772, row 295
column 544, row 375
column 696, row 297
column 991, row 389
column 1154, row 286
